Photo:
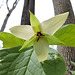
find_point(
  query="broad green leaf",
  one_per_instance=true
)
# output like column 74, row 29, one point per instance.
column 41, row 48
column 10, row 40
column 66, row 34
column 52, row 25
column 73, row 63
column 35, row 23
column 26, row 63
column 73, row 72
column 23, row 31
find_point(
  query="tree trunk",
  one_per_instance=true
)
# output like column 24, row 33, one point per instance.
column 28, row 5
column 68, row 53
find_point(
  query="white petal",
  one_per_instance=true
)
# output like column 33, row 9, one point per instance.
column 23, row 31
column 41, row 48
column 52, row 25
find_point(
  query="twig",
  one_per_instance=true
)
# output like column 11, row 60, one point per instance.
column 9, row 13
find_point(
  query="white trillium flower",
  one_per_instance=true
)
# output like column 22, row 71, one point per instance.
column 35, row 34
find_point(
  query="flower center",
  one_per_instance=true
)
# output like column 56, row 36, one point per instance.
column 39, row 35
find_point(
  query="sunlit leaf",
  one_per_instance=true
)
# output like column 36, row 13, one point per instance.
column 66, row 34
column 73, row 72
column 73, row 63
column 9, row 40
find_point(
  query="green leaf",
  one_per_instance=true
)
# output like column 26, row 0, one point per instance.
column 73, row 72
column 10, row 40
column 26, row 63
column 35, row 23
column 73, row 63
column 66, row 34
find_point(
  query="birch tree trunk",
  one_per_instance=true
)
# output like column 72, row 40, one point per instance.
column 28, row 5
column 68, row 53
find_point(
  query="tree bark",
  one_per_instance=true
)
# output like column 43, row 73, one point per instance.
column 28, row 5
column 68, row 53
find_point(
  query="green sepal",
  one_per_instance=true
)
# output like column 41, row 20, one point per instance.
column 34, row 23
column 28, row 43
column 52, row 40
